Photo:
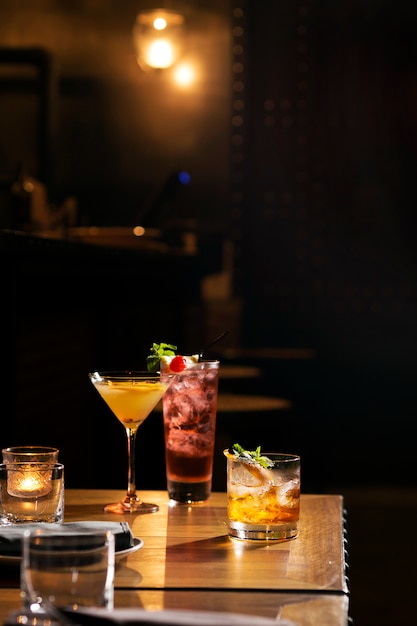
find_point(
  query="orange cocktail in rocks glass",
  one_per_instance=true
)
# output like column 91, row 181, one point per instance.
column 263, row 494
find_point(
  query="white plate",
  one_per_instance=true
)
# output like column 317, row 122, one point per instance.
column 137, row 545
column 120, row 554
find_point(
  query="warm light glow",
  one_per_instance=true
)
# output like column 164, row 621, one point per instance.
column 25, row 483
column 160, row 54
column 160, row 23
column 184, row 75
column 157, row 36
column 29, row 484
column 138, row 231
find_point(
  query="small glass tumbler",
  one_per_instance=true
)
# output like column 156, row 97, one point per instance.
column 30, row 454
column 263, row 503
column 189, row 414
column 31, row 492
column 67, row 570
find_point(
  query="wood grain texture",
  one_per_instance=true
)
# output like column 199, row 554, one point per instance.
column 188, row 561
column 188, row 547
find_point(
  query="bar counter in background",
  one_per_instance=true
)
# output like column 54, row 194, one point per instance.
column 69, row 307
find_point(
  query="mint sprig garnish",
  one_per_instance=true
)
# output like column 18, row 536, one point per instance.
column 251, row 456
column 159, row 350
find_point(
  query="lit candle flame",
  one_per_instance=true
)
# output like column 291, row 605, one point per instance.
column 29, row 482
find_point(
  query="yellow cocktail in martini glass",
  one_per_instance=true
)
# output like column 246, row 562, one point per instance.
column 131, row 396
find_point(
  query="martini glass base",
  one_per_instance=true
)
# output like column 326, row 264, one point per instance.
column 131, row 505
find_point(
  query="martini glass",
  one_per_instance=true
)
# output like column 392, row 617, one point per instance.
column 131, row 396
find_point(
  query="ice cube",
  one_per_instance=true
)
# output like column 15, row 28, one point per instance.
column 288, row 493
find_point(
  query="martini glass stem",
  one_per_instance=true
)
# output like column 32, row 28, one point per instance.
column 131, row 470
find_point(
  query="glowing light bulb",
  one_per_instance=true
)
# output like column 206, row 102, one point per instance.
column 160, row 54
column 160, row 23
column 158, row 38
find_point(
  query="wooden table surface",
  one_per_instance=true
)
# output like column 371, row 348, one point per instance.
column 188, row 561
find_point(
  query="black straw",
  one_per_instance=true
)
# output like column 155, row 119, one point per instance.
column 200, row 356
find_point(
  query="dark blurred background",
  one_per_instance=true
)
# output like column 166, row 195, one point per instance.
column 294, row 227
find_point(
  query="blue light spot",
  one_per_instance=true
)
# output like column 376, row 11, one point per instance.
column 184, row 178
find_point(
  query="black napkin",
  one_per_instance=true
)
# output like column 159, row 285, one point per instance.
column 11, row 536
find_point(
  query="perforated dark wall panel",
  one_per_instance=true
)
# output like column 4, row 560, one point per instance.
column 324, row 162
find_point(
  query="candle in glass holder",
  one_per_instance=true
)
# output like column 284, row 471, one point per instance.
column 29, row 480
column 31, row 492
column 30, row 454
